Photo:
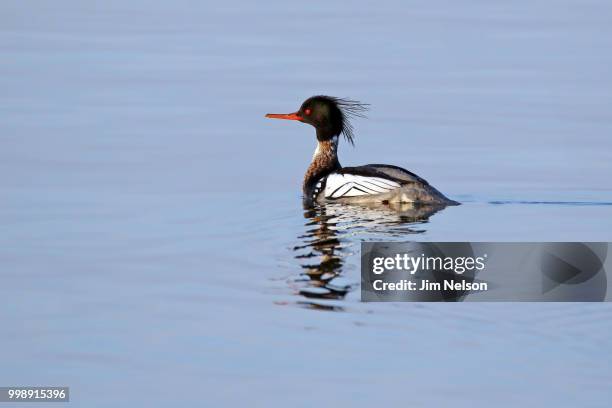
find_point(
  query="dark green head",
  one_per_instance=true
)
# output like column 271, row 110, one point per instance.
column 329, row 115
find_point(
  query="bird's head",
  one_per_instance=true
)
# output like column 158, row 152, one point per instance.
column 329, row 115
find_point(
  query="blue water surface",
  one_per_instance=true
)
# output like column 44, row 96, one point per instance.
column 154, row 248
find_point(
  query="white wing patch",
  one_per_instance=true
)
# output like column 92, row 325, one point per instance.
column 350, row 185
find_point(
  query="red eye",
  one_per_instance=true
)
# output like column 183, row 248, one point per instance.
column 307, row 111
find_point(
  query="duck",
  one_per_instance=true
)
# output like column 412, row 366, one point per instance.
column 327, row 181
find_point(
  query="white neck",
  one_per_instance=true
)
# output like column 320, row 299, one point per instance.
column 323, row 147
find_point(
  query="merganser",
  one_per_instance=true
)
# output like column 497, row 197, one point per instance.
column 326, row 180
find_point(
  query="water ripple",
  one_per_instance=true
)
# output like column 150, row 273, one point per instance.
column 337, row 233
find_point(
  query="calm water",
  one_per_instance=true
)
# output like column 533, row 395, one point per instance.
column 154, row 248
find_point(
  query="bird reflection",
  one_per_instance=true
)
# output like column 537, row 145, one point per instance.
column 334, row 231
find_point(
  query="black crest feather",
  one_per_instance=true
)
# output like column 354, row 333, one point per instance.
column 349, row 109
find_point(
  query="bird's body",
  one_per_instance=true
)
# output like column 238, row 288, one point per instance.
column 376, row 182
column 327, row 181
